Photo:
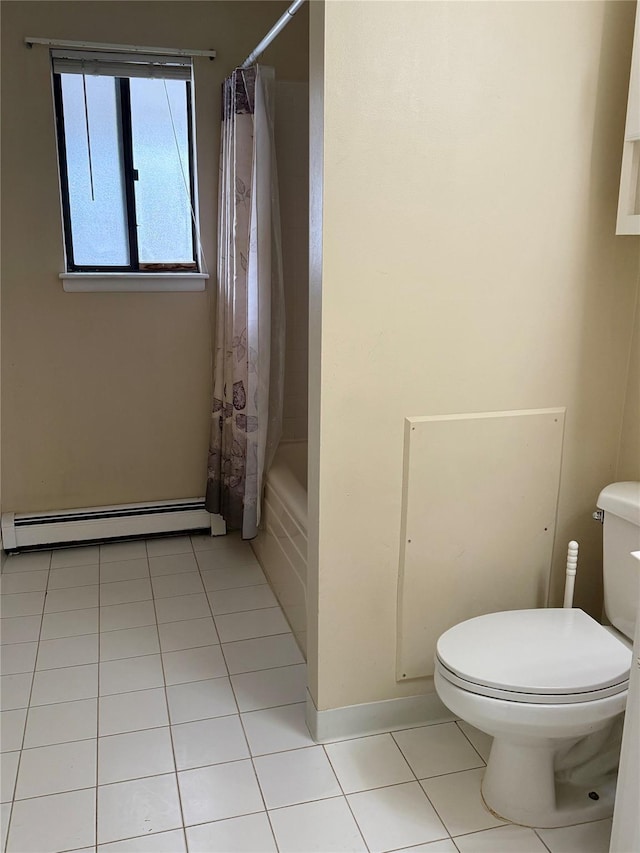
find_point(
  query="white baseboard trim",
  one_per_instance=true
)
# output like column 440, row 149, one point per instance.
column 375, row 717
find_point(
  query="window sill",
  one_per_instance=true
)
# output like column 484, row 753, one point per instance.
column 131, row 282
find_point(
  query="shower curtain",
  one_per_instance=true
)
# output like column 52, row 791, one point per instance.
column 249, row 331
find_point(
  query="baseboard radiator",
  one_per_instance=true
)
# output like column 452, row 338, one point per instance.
column 93, row 524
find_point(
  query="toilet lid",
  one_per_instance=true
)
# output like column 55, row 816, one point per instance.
column 555, row 651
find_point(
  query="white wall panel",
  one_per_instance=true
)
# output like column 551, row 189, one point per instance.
column 479, row 511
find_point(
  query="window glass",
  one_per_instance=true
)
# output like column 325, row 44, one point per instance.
column 159, row 128
column 95, row 172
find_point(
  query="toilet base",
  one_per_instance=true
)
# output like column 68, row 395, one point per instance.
column 519, row 785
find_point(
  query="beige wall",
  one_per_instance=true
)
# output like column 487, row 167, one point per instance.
column 105, row 396
column 628, row 467
column 469, row 159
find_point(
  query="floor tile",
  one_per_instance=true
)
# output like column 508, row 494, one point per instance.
column 277, row 729
column 23, row 582
column 128, row 674
column 169, row 545
column 8, row 774
column 5, row 811
column 514, row 839
column 62, row 722
column 32, row 561
column 85, row 555
column 112, row 552
column 142, row 806
column 181, row 607
column 21, row 604
column 65, row 685
column 263, row 653
column 219, row 792
column 117, row 617
column 324, row 826
column 187, row 634
column 230, row 578
column 247, row 834
column 399, row 816
column 457, row 800
column 244, row 598
column 129, row 643
column 12, row 729
column 58, row 822
column 186, row 583
column 250, row 624
column 434, row 750
column 54, row 769
column 124, row 592
column 162, row 842
column 228, row 559
column 124, row 570
column 445, row 845
column 193, row 665
column 268, row 688
column 130, row 712
column 480, row 740
column 73, row 598
column 298, row 776
column 14, row 691
column 73, row 576
column 18, row 657
column 206, row 542
column 134, row 755
column 68, row 651
column 172, row 564
column 584, row 838
column 204, row 742
column 200, row 700
column 22, row 629
column 69, row 624
column 368, row 762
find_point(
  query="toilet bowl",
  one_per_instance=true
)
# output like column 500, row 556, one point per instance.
column 539, row 681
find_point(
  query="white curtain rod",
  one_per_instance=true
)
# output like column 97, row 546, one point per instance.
column 280, row 24
column 119, row 48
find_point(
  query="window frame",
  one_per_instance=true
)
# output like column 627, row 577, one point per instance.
column 123, row 101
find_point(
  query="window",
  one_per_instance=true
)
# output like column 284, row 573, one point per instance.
column 125, row 146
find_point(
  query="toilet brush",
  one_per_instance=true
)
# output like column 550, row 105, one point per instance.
column 570, row 576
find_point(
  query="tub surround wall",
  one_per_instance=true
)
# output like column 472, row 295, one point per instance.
column 292, row 153
column 466, row 186
column 281, row 544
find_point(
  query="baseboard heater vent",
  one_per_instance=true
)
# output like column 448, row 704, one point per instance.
column 32, row 530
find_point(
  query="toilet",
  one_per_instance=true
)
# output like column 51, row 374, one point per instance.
column 539, row 681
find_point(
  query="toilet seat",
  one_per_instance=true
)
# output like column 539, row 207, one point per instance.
column 545, row 656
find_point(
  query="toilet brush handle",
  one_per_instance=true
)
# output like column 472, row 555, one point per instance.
column 570, row 576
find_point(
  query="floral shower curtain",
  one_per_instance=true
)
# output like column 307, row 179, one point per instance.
column 249, row 336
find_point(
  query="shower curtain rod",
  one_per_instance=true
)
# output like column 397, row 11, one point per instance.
column 280, row 24
column 118, row 48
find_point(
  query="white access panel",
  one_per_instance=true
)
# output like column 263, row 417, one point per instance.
column 480, row 494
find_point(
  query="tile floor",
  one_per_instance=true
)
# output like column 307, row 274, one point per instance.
column 153, row 700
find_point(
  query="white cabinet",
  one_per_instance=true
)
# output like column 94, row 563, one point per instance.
column 629, row 199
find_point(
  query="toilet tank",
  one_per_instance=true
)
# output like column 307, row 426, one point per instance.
column 621, row 535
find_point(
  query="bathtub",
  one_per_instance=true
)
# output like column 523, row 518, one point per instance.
column 281, row 544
